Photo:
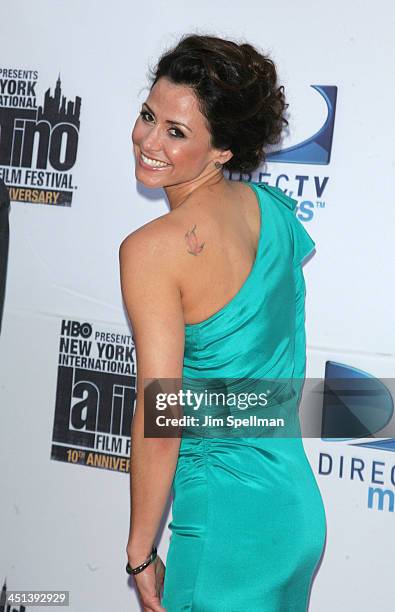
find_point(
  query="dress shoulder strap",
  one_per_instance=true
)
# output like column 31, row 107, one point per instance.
column 303, row 243
column 279, row 195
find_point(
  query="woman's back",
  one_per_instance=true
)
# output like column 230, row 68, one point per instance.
column 255, row 327
column 222, row 232
column 248, row 518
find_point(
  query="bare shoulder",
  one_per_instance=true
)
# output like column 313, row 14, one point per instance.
column 185, row 246
column 163, row 246
column 151, row 246
column 152, row 297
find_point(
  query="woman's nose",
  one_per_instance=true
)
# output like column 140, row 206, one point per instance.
column 152, row 140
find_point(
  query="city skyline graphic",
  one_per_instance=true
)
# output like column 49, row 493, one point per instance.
column 56, row 109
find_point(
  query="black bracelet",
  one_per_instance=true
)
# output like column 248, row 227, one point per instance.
column 140, row 568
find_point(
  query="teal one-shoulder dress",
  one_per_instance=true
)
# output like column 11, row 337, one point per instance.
column 248, row 521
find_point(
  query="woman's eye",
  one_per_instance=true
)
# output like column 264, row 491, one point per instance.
column 179, row 133
column 143, row 114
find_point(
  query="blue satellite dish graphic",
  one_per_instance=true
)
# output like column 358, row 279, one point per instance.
column 355, row 405
column 387, row 445
column 317, row 148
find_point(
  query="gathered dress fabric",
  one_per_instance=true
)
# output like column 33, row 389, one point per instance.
column 248, row 521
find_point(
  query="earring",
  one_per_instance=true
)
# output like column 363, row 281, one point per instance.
column 218, row 165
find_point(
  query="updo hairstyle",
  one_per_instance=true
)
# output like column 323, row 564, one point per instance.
column 237, row 91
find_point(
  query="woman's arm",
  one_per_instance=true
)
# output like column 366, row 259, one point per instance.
column 153, row 302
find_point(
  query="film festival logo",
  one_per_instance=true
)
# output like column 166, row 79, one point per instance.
column 95, row 397
column 38, row 143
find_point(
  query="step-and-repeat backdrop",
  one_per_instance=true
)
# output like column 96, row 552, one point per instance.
column 73, row 76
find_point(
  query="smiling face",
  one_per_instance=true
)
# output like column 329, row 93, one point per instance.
column 171, row 129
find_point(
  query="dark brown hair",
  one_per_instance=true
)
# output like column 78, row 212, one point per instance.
column 237, row 91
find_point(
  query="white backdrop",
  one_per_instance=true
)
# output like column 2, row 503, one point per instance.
column 64, row 520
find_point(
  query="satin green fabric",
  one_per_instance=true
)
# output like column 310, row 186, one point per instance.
column 248, row 526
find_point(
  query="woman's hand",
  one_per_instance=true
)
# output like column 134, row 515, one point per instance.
column 149, row 584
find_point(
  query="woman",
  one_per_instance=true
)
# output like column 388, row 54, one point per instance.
column 215, row 289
